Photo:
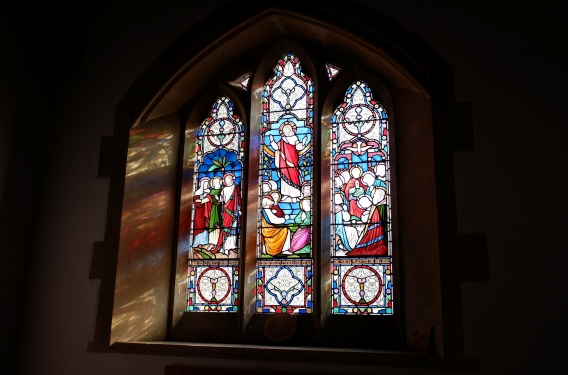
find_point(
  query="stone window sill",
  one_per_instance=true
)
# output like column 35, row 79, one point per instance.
column 388, row 358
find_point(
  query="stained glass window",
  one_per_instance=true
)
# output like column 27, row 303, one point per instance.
column 361, row 263
column 284, row 278
column 216, row 216
column 244, row 81
column 332, row 71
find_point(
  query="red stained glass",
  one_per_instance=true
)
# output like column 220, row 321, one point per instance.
column 285, row 227
column 332, row 71
column 361, row 248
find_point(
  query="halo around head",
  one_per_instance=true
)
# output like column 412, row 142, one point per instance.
column 216, row 178
column 353, row 168
column 289, row 124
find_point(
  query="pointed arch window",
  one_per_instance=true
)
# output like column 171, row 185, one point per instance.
column 360, row 226
column 361, row 247
column 215, row 235
column 286, row 178
column 144, row 269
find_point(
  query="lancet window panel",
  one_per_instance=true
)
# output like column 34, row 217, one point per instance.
column 286, row 185
column 361, row 245
column 214, row 238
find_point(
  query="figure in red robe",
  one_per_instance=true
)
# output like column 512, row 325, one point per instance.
column 286, row 159
column 353, row 189
column 372, row 242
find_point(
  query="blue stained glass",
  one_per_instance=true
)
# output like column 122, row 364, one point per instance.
column 360, row 204
column 286, row 188
column 285, row 289
column 216, row 216
column 213, row 289
column 283, row 292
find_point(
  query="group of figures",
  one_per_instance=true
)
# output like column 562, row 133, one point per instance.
column 360, row 175
column 360, row 206
column 217, row 209
column 216, row 222
column 285, row 217
column 217, row 195
column 286, row 163
column 360, row 265
column 286, row 202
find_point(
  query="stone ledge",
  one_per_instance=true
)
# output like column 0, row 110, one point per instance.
column 388, row 358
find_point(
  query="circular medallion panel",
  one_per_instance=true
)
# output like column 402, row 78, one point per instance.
column 214, row 285
column 362, row 285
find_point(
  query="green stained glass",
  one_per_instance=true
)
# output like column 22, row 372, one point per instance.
column 285, row 226
column 360, row 247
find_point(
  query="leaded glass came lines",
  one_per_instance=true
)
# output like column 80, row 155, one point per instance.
column 360, row 206
column 285, row 217
column 217, row 209
column 332, row 71
column 244, row 81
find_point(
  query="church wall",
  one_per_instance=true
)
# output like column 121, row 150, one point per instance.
column 22, row 135
column 511, row 186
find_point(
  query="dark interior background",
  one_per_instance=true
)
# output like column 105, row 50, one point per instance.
column 63, row 69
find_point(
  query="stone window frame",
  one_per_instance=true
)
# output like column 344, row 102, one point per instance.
column 434, row 258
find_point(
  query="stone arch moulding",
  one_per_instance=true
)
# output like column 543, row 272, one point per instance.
column 137, row 307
